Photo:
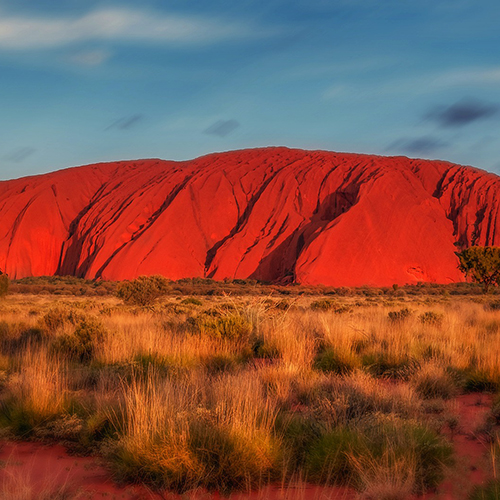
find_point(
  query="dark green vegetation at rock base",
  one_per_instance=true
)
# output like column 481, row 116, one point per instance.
column 481, row 264
column 69, row 285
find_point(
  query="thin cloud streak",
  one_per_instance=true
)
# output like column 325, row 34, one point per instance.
column 23, row 32
column 222, row 128
column 418, row 145
column 90, row 57
column 126, row 122
column 19, row 155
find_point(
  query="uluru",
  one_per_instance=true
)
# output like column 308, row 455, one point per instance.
column 271, row 214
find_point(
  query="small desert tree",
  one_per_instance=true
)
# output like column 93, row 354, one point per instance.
column 144, row 290
column 4, row 284
column 481, row 264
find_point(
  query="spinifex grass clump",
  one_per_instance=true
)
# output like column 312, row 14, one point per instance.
column 389, row 365
column 433, row 381
column 336, row 361
column 36, row 391
column 378, row 449
column 178, row 438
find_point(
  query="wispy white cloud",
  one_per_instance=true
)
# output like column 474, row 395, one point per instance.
column 24, row 32
column 335, row 91
column 350, row 68
column 90, row 57
column 469, row 76
column 417, row 85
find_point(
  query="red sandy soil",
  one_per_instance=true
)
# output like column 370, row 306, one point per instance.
column 34, row 471
column 471, row 451
column 274, row 214
column 40, row 469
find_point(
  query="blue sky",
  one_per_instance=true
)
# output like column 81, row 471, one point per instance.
column 84, row 81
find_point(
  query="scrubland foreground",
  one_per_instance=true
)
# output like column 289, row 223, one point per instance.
column 221, row 393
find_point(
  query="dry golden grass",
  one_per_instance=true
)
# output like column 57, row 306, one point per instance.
column 38, row 385
column 234, row 393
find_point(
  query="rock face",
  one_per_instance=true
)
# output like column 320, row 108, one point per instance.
column 272, row 214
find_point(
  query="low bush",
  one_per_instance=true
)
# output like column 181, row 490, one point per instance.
column 227, row 326
column 327, row 459
column 82, row 344
column 346, row 455
column 434, row 382
column 192, row 301
column 144, row 290
column 264, row 349
column 400, row 315
column 480, row 381
column 336, row 361
column 383, row 364
column 234, row 458
column 322, row 305
column 59, row 317
column 431, row 318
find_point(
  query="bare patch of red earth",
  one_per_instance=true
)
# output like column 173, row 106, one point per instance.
column 471, row 450
column 33, row 471
column 37, row 468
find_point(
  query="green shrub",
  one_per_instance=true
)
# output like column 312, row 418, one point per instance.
column 431, row 318
column 408, row 442
column 263, row 349
column 192, row 301
column 433, row 382
column 336, row 456
column 83, row 343
column 221, row 362
column 322, row 305
column 382, row 364
column 400, row 315
column 298, row 432
column 211, row 456
column 229, row 326
column 479, row 381
column 59, row 317
column 332, row 360
column 232, row 458
column 159, row 463
column 144, row 290
column 327, row 459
